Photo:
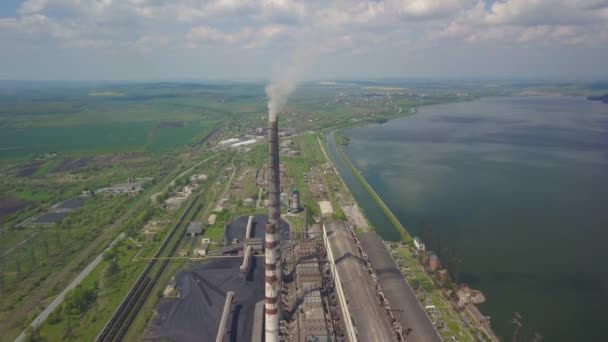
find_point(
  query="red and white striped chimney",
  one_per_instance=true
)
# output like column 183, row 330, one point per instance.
column 272, row 259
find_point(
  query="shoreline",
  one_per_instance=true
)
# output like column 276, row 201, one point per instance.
column 406, row 238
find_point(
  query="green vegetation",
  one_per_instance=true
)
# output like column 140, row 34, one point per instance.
column 341, row 139
column 98, row 297
column 99, row 138
column 430, row 294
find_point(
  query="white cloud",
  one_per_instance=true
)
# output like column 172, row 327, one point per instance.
column 32, row 6
column 206, row 34
column 340, row 27
column 428, row 8
column 256, row 23
column 526, row 21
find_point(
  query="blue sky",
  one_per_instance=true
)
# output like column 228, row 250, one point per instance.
column 246, row 40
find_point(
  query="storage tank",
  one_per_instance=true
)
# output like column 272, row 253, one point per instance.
column 295, row 200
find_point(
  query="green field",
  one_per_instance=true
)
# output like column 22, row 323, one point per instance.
column 108, row 137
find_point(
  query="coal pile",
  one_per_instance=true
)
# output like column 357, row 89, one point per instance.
column 202, row 288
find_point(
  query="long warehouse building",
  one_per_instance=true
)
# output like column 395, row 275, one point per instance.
column 365, row 318
column 399, row 294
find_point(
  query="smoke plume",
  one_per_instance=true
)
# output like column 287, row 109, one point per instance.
column 285, row 78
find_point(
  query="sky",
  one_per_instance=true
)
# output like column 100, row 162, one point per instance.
column 248, row 40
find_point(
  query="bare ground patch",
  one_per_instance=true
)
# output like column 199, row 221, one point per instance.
column 11, row 205
column 30, row 168
column 72, row 164
column 113, row 159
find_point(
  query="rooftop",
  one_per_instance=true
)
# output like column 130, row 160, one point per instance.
column 195, row 227
column 399, row 294
column 368, row 315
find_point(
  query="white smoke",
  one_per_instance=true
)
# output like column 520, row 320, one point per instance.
column 285, row 79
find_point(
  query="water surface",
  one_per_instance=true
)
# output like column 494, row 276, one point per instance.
column 516, row 188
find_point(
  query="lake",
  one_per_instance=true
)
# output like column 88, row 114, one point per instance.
column 516, row 189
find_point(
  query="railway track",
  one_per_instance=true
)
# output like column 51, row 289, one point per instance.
column 126, row 313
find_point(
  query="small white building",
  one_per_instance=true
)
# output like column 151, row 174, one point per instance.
column 211, row 219
column 228, row 141
column 202, row 251
column 326, row 208
column 419, row 244
column 243, row 143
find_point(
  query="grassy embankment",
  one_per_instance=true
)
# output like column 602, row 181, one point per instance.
column 430, row 294
column 400, row 228
column 84, row 324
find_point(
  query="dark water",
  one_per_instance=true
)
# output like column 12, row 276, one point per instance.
column 517, row 188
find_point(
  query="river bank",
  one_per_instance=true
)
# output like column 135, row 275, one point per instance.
column 508, row 192
column 439, row 300
column 405, row 236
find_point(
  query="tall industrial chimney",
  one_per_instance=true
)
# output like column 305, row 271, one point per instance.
column 272, row 265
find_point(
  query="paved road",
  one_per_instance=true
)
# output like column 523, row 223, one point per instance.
column 59, row 299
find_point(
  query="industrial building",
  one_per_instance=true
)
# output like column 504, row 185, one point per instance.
column 211, row 219
column 228, row 141
column 396, row 290
column 243, row 143
column 326, row 208
column 366, row 317
column 194, row 228
column 121, row 188
column 318, row 286
column 294, row 206
column 307, row 295
column 419, row 244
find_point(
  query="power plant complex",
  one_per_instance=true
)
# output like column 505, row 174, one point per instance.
column 322, row 283
column 331, row 290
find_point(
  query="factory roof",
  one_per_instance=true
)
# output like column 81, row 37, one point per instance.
column 317, row 339
column 195, row 227
column 228, row 141
column 313, row 297
column 399, row 294
column 368, row 315
column 243, row 143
